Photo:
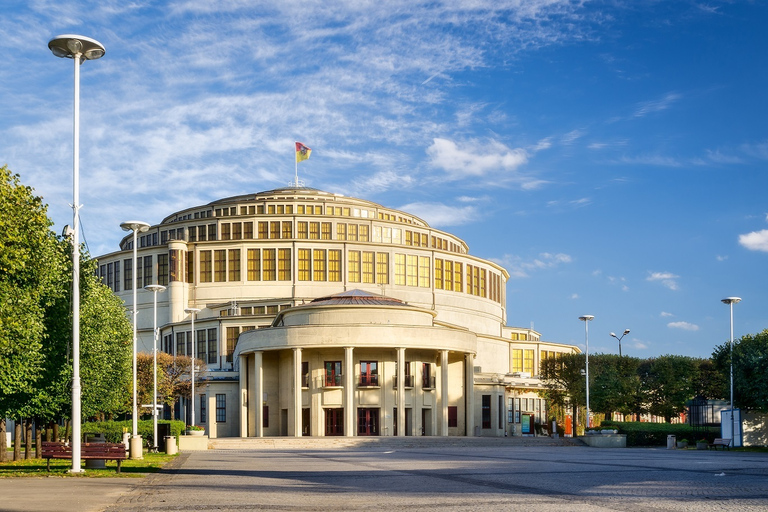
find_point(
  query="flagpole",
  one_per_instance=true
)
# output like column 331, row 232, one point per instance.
column 296, row 165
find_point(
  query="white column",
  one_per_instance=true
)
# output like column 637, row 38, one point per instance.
column 258, row 389
column 297, row 392
column 349, row 403
column 253, row 400
column 469, row 393
column 400, row 392
column 443, row 392
column 213, row 425
column 243, row 406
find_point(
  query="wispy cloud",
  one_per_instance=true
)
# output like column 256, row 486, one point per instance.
column 665, row 314
column 667, row 279
column 649, row 107
column 442, row 215
column 685, row 326
column 521, row 268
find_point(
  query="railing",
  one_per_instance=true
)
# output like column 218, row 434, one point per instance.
column 369, row 380
column 409, row 381
column 428, row 382
column 305, row 381
column 333, row 380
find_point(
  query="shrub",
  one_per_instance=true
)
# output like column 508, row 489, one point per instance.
column 655, row 434
column 113, row 430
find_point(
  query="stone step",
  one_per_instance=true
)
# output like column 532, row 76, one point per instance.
column 375, row 443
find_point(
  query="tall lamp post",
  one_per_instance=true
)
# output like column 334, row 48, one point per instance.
column 731, row 301
column 586, row 319
column 136, row 226
column 626, row 331
column 154, row 288
column 79, row 49
column 193, row 312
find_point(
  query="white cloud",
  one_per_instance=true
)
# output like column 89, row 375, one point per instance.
column 755, row 241
column 474, row 158
column 665, row 314
column 721, row 258
column 574, row 296
column 667, row 279
column 571, row 137
column 520, row 268
column 685, row 326
column 441, row 215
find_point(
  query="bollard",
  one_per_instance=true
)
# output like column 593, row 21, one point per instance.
column 170, row 445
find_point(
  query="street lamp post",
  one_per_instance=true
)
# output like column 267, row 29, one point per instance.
column 626, row 331
column 154, row 288
column 79, row 49
column 731, row 301
column 586, row 319
column 193, row 312
column 136, row 226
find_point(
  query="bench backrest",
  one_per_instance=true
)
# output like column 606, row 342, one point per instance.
column 109, row 450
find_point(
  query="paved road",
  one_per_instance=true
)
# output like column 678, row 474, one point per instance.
column 446, row 479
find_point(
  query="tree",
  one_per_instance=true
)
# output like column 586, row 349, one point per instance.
column 614, row 382
column 564, row 381
column 173, row 378
column 30, row 268
column 750, row 370
column 668, row 382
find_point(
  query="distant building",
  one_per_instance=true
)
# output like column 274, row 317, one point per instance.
column 330, row 315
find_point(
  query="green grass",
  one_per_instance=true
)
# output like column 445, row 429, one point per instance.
column 151, row 463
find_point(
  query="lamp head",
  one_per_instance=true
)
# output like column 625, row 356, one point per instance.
column 135, row 225
column 586, row 318
column 626, row 331
column 189, row 311
column 155, row 288
column 613, row 334
column 71, row 45
column 731, row 300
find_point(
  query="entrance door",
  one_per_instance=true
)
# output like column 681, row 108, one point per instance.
column 367, row 421
column 409, row 422
column 334, row 422
column 426, row 422
column 305, row 422
column 527, row 424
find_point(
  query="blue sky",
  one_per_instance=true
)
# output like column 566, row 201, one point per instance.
column 611, row 154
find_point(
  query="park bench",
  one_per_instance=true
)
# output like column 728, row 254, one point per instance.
column 725, row 443
column 93, row 451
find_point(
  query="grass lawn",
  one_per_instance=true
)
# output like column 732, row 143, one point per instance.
column 151, row 463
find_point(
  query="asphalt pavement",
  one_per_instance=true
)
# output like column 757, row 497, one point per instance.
column 425, row 478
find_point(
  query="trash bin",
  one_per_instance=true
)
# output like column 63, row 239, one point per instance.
column 170, row 445
column 95, row 463
column 671, row 442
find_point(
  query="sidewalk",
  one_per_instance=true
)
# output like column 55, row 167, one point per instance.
column 54, row 494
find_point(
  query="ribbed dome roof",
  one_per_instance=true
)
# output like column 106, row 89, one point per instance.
column 358, row 298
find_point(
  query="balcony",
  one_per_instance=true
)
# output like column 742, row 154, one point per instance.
column 368, row 380
column 409, row 380
column 305, row 380
column 428, row 382
column 333, row 380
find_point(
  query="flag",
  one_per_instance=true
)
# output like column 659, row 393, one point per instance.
column 302, row 152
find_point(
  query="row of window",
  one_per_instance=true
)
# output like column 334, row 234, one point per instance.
column 304, row 230
column 523, row 359
column 323, row 265
column 221, row 408
column 369, row 375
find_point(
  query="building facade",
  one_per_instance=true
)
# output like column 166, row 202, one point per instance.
column 311, row 302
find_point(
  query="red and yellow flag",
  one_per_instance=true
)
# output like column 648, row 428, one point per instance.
column 302, row 152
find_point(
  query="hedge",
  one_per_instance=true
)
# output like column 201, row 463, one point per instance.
column 113, row 430
column 655, row 434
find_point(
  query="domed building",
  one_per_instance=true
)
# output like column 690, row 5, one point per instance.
column 322, row 315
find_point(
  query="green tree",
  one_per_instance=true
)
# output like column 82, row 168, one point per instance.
column 614, row 382
column 30, row 268
column 750, row 370
column 668, row 382
column 564, row 381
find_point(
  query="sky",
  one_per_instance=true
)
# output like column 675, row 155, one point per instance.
column 611, row 155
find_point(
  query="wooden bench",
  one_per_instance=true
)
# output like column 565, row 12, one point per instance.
column 725, row 443
column 93, row 451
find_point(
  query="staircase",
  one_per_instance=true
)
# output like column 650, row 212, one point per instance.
column 378, row 443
